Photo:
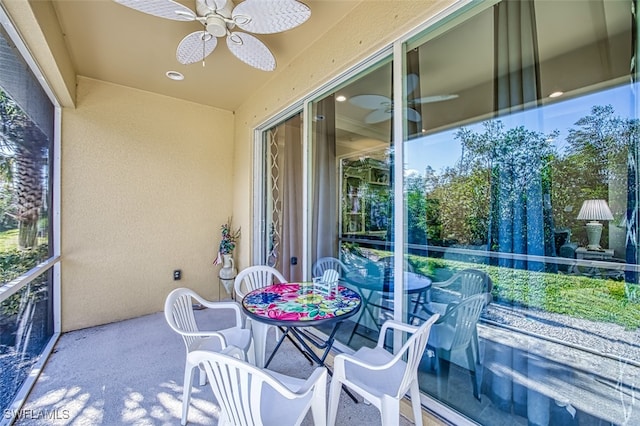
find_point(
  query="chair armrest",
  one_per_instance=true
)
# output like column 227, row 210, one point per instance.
column 235, row 306
column 317, row 379
column 204, row 334
column 339, row 361
column 445, row 283
column 319, row 376
column 234, row 351
column 394, row 325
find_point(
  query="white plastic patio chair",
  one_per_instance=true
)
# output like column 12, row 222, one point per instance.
column 456, row 330
column 325, row 263
column 461, row 285
column 381, row 377
column 178, row 311
column 250, row 396
column 247, row 280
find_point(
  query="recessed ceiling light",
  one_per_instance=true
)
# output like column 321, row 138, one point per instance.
column 341, row 98
column 175, row 75
column 556, row 94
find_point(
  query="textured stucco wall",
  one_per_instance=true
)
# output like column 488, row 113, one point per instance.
column 369, row 28
column 146, row 184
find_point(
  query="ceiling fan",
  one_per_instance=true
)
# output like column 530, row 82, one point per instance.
column 382, row 106
column 220, row 18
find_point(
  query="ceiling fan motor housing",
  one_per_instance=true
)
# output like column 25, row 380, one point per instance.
column 216, row 26
column 216, row 19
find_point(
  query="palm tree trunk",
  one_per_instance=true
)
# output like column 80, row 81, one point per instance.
column 28, row 185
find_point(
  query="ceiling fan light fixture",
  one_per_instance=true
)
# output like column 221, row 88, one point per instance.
column 216, row 26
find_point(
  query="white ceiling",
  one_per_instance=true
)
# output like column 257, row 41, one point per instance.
column 114, row 43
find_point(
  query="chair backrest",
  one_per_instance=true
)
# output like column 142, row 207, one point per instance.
column 411, row 353
column 330, row 276
column 178, row 311
column 328, row 263
column 463, row 317
column 388, row 262
column 473, row 281
column 255, row 277
column 415, row 351
column 241, row 389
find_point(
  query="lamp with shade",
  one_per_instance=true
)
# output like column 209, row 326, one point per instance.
column 594, row 211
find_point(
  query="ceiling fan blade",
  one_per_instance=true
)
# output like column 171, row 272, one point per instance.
column 377, row 116
column 251, row 51
column 435, row 98
column 195, row 47
column 412, row 82
column 168, row 9
column 371, row 101
column 270, row 16
column 412, row 115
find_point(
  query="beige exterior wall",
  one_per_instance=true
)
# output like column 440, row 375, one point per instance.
column 372, row 26
column 146, row 185
column 147, row 180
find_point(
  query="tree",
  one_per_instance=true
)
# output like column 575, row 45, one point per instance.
column 23, row 147
column 415, row 186
column 594, row 165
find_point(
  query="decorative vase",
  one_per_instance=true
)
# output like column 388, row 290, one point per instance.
column 228, row 272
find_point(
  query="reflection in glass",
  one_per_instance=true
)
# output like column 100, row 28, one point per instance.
column 26, row 325
column 352, row 194
column 494, row 181
column 26, row 141
column 283, row 195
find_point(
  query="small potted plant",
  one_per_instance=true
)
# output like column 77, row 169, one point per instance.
column 225, row 255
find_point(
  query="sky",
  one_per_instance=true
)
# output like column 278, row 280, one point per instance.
column 442, row 150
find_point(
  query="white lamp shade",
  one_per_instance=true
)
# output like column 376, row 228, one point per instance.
column 595, row 210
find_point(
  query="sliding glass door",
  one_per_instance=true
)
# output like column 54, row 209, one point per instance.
column 283, row 153
column 521, row 179
column 516, row 204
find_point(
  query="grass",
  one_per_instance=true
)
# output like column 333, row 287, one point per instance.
column 595, row 299
column 8, row 240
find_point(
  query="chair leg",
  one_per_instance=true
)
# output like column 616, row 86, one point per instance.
column 442, row 377
column 334, row 398
column 186, row 391
column 203, row 377
column 415, row 403
column 319, row 404
column 259, row 331
column 250, row 354
column 472, row 369
column 390, row 411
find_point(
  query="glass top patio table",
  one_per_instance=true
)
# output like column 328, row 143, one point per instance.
column 299, row 305
column 293, row 306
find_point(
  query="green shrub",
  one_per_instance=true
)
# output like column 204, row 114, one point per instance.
column 14, row 263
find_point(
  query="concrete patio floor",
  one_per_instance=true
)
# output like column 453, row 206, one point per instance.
column 131, row 372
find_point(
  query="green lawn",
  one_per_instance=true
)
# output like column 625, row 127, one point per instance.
column 595, row 299
column 8, row 240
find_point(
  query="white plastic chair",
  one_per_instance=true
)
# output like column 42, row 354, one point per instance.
column 178, row 311
column 247, row 280
column 326, row 263
column 461, row 285
column 250, row 396
column 456, row 330
column 381, row 377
